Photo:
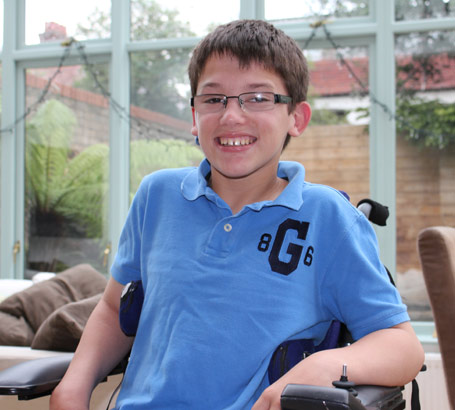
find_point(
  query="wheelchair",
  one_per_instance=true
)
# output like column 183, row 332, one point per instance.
column 39, row 377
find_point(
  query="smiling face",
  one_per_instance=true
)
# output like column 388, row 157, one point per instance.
column 238, row 143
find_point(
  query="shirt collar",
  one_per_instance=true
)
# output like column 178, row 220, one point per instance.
column 195, row 185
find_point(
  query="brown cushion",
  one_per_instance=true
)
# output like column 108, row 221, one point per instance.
column 63, row 328
column 14, row 331
column 37, row 302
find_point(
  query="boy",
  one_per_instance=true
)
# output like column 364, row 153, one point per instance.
column 241, row 254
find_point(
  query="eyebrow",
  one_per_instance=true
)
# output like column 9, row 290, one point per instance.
column 260, row 85
column 210, row 85
column 252, row 86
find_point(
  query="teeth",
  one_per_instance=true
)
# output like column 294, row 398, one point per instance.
column 236, row 142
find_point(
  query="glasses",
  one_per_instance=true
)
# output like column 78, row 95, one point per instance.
column 254, row 102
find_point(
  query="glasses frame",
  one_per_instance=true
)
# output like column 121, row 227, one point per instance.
column 277, row 99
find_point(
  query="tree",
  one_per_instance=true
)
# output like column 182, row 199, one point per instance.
column 151, row 155
column 67, row 191
column 64, row 190
column 156, row 76
column 341, row 8
column 425, row 60
column 416, row 9
column 429, row 123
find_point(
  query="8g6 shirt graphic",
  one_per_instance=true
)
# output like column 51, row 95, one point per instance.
column 295, row 250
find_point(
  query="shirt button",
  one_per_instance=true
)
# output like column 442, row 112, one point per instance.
column 228, row 227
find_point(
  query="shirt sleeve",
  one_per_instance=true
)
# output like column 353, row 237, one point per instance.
column 127, row 262
column 360, row 293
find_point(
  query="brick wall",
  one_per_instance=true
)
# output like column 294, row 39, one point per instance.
column 335, row 156
column 338, row 156
column 92, row 114
column 425, row 196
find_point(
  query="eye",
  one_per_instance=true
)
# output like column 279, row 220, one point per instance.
column 257, row 98
column 213, row 99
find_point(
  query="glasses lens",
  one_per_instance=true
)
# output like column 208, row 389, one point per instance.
column 207, row 103
column 260, row 101
column 255, row 101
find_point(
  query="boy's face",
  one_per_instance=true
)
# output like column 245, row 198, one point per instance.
column 239, row 143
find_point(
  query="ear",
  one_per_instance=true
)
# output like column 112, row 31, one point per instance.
column 194, row 130
column 301, row 117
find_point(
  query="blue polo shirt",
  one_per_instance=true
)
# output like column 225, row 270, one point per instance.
column 222, row 291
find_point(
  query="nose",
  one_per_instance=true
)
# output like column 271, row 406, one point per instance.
column 235, row 97
column 233, row 111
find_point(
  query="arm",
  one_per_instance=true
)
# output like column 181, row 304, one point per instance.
column 387, row 357
column 102, row 346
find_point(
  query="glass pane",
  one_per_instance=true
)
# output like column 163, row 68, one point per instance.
column 1, row 24
column 423, row 9
column 337, row 137
column 298, row 10
column 66, row 161
column 425, row 101
column 161, row 127
column 175, row 18
column 53, row 21
column 1, row 105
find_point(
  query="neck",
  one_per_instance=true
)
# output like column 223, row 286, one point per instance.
column 238, row 192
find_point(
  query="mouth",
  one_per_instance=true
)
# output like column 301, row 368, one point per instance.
column 235, row 141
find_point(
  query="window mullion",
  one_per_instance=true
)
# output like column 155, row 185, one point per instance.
column 12, row 160
column 382, row 127
column 119, row 126
column 252, row 9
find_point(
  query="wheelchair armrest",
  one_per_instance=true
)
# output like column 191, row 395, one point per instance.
column 39, row 377
column 34, row 378
column 298, row 397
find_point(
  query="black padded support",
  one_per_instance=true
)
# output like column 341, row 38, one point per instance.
column 381, row 398
column 297, row 397
column 34, row 378
column 378, row 214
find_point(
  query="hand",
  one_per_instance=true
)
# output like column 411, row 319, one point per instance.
column 314, row 370
column 70, row 395
column 63, row 400
column 270, row 398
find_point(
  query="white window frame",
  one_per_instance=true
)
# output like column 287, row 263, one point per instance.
column 376, row 31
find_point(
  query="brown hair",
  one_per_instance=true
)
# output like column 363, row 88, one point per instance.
column 255, row 41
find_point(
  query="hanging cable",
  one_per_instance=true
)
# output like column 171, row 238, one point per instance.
column 42, row 97
column 403, row 122
column 143, row 129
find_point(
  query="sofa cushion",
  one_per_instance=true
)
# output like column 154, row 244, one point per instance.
column 36, row 303
column 63, row 328
column 15, row 331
